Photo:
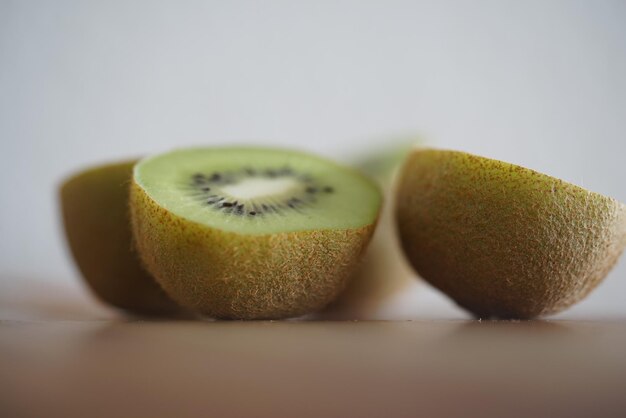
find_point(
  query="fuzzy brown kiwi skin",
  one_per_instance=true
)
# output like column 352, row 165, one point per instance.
column 501, row 240
column 233, row 276
column 94, row 207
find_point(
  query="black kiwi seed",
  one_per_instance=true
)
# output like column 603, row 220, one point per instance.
column 239, row 209
column 271, row 173
column 328, row 189
column 206, row 189
column 311, row 190
column 216, row 177
column 214, row 199
column 252, row 213
column 250, row 171
column 226, row 205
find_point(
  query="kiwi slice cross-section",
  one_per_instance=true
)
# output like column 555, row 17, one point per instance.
column 94, row 205
column 503, row 240
column 251, row 233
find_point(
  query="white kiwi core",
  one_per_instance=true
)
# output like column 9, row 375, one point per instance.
column 252, row 188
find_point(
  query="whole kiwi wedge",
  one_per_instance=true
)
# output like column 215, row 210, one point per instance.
column 96, row 218
column 251, row 233
column 501, row 240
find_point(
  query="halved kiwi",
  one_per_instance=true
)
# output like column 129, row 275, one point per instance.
column 502, row 240
column 251, row 233
column 94, row 206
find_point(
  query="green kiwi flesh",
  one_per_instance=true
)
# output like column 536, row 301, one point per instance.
column 94, row 207
column 502, row 240
column 251, row 233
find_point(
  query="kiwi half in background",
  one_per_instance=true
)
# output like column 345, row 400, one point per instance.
column 251, row 233
column 94, row 206
column 385, row 271
column 502, row 240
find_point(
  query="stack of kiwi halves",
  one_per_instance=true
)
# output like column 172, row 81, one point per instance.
column 262, row 233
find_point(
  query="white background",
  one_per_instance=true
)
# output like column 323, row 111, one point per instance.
column 538, row 83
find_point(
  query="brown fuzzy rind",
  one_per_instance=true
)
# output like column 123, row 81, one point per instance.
column 94, row 206
column 228, row 275
column 502, row 240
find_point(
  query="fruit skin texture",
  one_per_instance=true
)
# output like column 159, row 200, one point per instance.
column 94, row 206
column 502, row 240
column 235, row 276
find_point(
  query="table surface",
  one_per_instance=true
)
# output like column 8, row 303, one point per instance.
column 135, row 368
column 72, row 358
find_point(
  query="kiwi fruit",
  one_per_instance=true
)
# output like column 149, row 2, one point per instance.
column 251, row 233
column 94, row 208
column 501, row 240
